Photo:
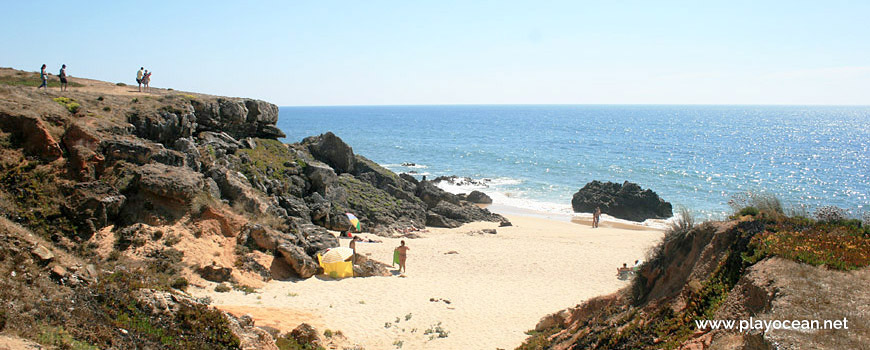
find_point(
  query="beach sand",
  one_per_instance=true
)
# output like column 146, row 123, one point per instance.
column 498, row 286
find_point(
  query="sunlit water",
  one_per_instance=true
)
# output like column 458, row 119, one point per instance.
column 692, row 156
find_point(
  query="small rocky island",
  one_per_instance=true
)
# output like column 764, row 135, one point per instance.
column 626, row 201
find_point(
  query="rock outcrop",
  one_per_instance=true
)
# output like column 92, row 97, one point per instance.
column 626, row 201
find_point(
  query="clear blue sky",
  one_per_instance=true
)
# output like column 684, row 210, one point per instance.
column 459, row 52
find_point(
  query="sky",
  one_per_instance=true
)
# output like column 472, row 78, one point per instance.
column 317, row 53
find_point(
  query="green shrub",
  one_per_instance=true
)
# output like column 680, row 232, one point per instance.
column 71, row 105
column 121, row 84
column 751, row 211
column 107, row 109
column 222, row 288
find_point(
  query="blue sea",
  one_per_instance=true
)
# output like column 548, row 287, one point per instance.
column 537, row 156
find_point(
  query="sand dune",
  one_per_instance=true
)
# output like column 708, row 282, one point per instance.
column 498, row 286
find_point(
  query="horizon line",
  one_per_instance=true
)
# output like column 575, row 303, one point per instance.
column 585, row 104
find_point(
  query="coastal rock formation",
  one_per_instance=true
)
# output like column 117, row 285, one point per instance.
column 331, row 150
column 626, row 201
column 33, row 135
column 160, row 186
column 478, row 198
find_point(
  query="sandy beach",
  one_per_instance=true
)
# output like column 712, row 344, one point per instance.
column 498, row 286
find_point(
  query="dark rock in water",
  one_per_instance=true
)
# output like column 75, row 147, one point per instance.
column 626, row 201
column 409, row 164
column 215, row 273
column 331, row 150
column 462, row 181
column 478, row 198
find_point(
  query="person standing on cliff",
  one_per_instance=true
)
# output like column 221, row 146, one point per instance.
column 146, row 80
column 139, row 76
column 44, row 76
column 403, row 256
column 62, row 75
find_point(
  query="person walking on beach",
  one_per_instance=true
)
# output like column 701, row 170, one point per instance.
column 62, row 75
column 403, row 256
column 139, row 76
column 596, row 217
column 44, row 75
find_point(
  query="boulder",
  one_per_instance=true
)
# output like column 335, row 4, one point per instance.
column 163, row 126
column 239, row 118
column 320, row 207
column 43, row 254
column 220, row 142
column 317, row 239
column 478, row 198
column 266, row 238
column 465, row 212
column 92, row 206
column 32, row 134
column 306, row 335
column 175, row 183
column 626, row 201
column 230, row 223
column 82, row 145
column 235, row 187
column 320, row 176
column 215, row 273
column 192, row 157
column 295, row 207
column 432, row 195
column 557, row 319
column 369, row 268
column 301, row 263
column 436, row 220
column 130, row 150
column 331, row 150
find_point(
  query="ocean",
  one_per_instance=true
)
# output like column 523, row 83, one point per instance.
column 535, row 157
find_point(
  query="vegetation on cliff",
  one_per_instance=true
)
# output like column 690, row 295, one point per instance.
column 701, row 272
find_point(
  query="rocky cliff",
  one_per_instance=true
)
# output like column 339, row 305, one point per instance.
column 176, row 188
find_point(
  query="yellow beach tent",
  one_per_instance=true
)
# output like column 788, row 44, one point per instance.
column 334, row 264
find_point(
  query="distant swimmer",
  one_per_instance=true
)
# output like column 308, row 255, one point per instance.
column 403, row 256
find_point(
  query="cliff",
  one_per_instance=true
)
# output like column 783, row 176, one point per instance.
column 764, row 266
column 113, row 201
